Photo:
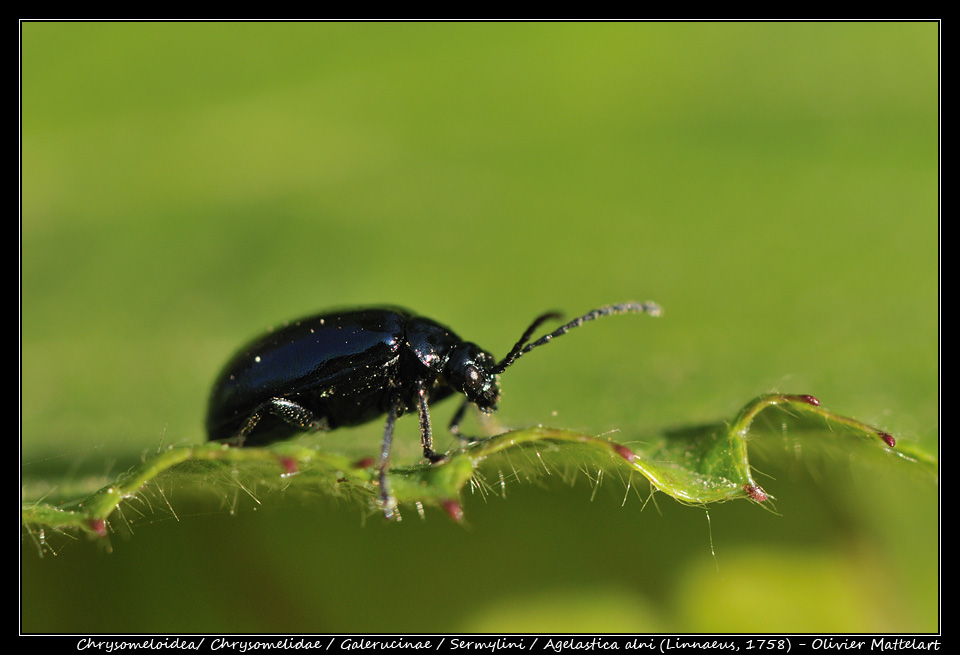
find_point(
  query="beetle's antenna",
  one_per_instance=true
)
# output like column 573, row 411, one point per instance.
column 515, row 351
column 520, row 349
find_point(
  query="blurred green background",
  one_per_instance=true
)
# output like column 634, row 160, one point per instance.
column 773, row 186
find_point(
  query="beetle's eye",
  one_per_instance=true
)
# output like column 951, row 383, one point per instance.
column 472, row 376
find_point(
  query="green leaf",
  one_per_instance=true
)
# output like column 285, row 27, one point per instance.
column 699, row 465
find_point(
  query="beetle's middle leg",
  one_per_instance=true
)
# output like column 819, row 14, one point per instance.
column 285, row 409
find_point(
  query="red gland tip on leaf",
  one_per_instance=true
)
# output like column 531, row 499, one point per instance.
column 289, row 465
column 99, row 526
column 755, row 493
column 625, row 452
column 454, row 509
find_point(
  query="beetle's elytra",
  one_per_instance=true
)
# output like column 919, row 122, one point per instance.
column 347, row 368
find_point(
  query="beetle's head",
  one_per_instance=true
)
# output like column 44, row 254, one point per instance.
column 472, row 371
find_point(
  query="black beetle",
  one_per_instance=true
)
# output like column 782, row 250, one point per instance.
column 347, row 368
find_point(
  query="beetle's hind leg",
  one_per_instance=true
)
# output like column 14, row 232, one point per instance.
column 285, row 409
column 387, row 502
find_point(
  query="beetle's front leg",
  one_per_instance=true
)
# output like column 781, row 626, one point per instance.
column 289, row 411
column 455, row 425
